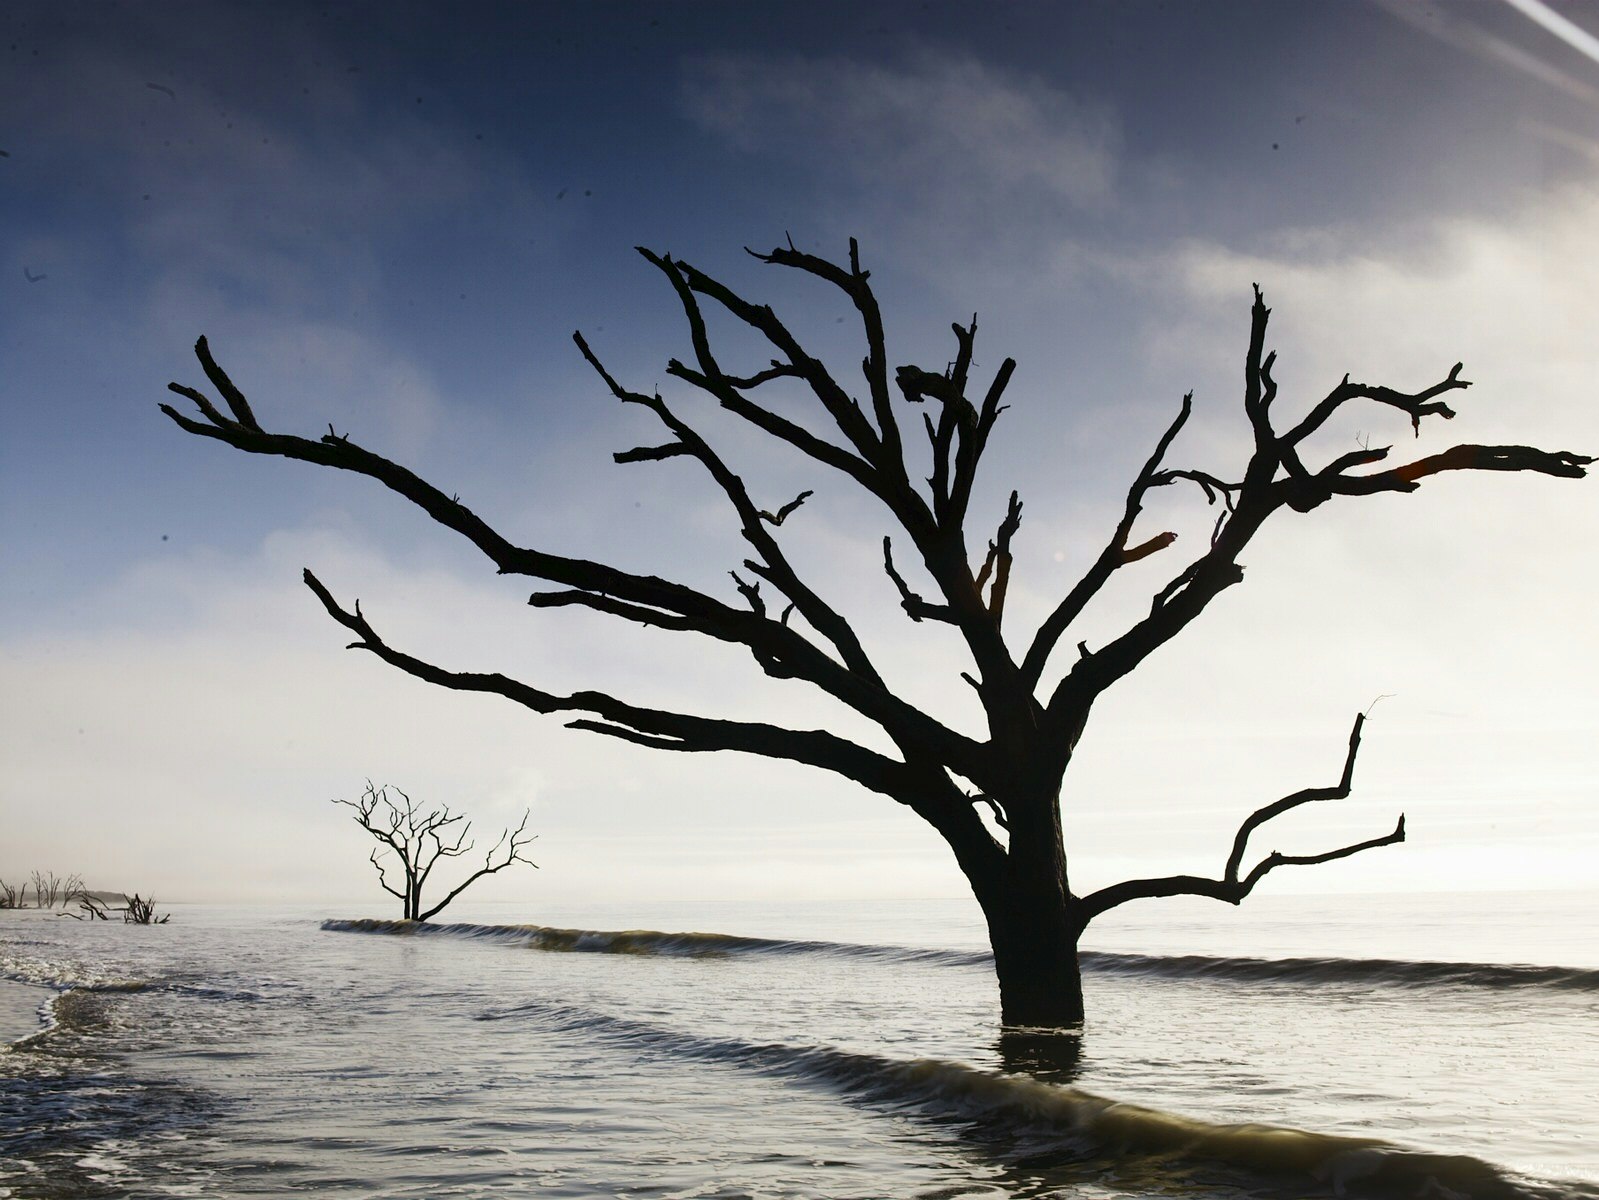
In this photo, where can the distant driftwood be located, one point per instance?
(134, 909)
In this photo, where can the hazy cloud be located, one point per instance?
(932, 145)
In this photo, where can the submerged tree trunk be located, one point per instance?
(1034, 921)
(1035, 957)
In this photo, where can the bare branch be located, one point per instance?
(1258, 818)
(822, 617)
(779, 649)
(239, 406)
(687, 732)
(1114, 555)
(383, 876)
(782, 514)
(637, 613)
(1560, 463)
(650, 453)
(1154, 545)
(1001, 557)
(918, 608)
(751, 593)
(1257, 376)
(846, 414)
(345, 455)
(853, 282)
(513, 842)
(994, 807)
(1262, 492)
(1230, 887)
(1416, 405)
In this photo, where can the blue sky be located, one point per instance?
(391, 217)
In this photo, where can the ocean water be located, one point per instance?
(1427, 1046)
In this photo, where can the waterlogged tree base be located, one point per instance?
(995, 799)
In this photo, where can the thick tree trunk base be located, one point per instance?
(1035, 960)
(1043, 993)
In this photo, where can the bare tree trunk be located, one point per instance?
(1031, 918)
(1034, 921)
(1035, 957)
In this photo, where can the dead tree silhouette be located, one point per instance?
(1016, 862)
(419, 839)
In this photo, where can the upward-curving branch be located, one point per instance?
(853, 429)
(1231, 887)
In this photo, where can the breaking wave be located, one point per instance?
(68, 1002)
(648, 941)
(1289, 971)
(1395, 972)
(1060, 1125)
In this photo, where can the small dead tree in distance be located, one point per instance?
(48, 888)
(1017, 869)
(420, 839)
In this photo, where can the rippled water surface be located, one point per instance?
(807, 1051)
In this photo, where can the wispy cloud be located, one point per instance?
(918, 154)
(935, 123)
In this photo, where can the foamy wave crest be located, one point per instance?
(1394, 972)
(649, 941)
(70, 984)
(62, 977)
(1064, 1125)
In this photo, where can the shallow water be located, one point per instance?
(822, 1050)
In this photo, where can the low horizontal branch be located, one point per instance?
(1416, 405)
(1230, 887)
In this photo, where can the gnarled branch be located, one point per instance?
(511, 847)
(1275, 478)
(646, 599)
(678, 731)
(782, 514)
(1231, 887)
(914, 605)
(1111, 557)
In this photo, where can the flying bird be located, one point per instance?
(161, 87)
(31, 277)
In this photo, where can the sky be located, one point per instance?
(391, 217)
